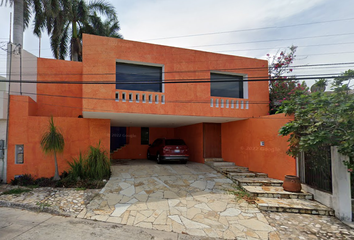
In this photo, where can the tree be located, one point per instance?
(71, 18)
(65, 21)
(280, 88)
(322, 118)
(53, 142)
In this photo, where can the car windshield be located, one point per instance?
(174, 142)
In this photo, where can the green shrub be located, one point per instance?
(97, 164)
(23, 180)
(77, 168)
(94, 166)
(16, 191)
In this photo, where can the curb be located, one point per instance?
(33, 208)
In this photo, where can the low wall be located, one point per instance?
(241, 144)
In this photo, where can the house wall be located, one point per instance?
(133, 149)
(191, 99)
(193, 136)
(241, 144)
(25, 129)
(49, 102)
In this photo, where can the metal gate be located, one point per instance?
(315, 169)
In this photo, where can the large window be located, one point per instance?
(224, 85)
(130, 77)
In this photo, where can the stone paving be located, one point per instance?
(304, 226)
(63, 201)
(189, 199)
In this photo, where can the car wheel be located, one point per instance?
(158, 158)
(148, 156)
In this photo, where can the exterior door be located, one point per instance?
(212, 140)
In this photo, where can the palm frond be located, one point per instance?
(104, 8)
(52, 140)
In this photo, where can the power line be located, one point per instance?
(184, 81)
(276, 40)
(250, 29)
(202, 70)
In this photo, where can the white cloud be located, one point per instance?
(142, 20)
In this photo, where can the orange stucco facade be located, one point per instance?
(241, 143)
(84, 112)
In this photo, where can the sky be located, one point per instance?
(322, 29)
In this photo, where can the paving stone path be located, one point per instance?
(63, 201)
(190, 199)
(304, 226)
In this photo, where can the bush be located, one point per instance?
(23, 180)
(94, 166)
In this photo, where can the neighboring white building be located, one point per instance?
(25, 70)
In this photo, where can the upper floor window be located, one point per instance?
(138, 77)
(226, 85)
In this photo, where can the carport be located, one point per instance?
(131, 133)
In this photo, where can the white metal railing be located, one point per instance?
(126, 96)
(229, 103)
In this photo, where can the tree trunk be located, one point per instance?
(56, 175)
(18, 22)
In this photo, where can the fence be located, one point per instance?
(315, 169)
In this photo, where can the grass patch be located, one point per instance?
(16, 191)
(240, 193)
(80, 188)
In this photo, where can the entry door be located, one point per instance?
(212, 140)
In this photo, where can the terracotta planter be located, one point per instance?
(292, 183)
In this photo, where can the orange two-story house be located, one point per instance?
(125, 94)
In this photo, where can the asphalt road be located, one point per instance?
(21, 224)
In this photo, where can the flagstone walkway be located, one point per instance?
(189, 198)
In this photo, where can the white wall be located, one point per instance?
(26, 72)
(2, 137)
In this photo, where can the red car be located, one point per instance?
(168, 150)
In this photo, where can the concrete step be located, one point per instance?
(222, 164)
(275, 192)
(258, 182)
(293, 206)
(233, 169)
(234, 175)
(213, 160)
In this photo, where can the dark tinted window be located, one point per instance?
(223, 85)
(174, 142)
(135, 74)
(144, 136)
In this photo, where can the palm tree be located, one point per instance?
(22, 15)
(71, 20)
(53, 142)
(65, 21)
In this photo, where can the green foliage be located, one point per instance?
(94, 166)
(52, 142)
(98, 164)
(16, 191)
(280, 87)
(77, 168)
(240, 193)
(23, 180)
(322, 118)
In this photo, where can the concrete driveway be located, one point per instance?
(189, 198)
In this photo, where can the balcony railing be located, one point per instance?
(130, 97)
(229, 103)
